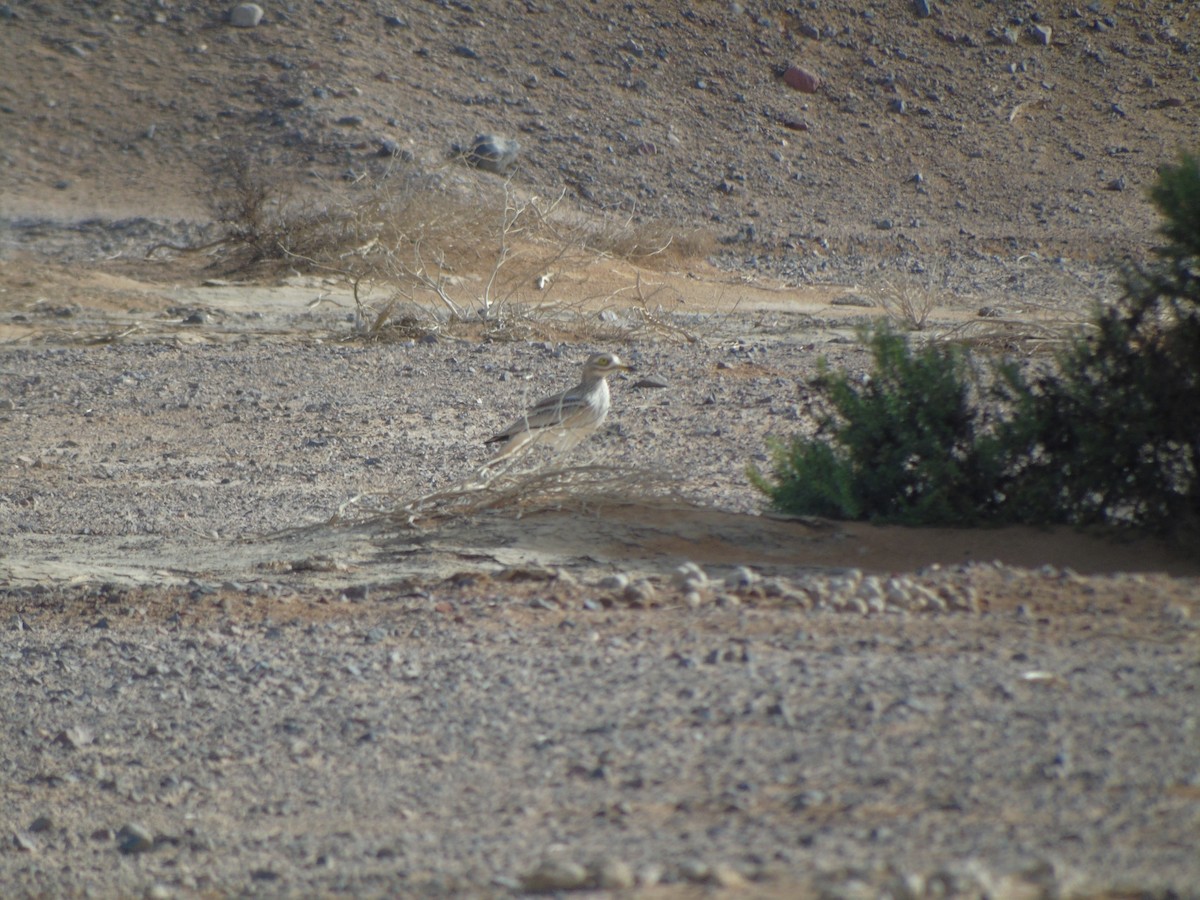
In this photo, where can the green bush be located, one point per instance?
(1111, 435)
(907, 445)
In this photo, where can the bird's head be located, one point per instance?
(600, 364)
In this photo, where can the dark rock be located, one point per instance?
(492, 153)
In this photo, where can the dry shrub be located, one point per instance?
(653, 245)
(907, 305)
(430, 250)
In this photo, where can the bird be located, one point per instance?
(562, 421)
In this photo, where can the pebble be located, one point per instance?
(40, 824)
(689, 577)
(1041, 34)
(612, 875)
(726, 876)
(615, 582)
(1176, 613)
(741, 578)
(650, 875)
(75, 737)
(556, 875)
(695, 870)
(640, 592)
(245, 15)
(802, 80)
(23, 842)
(134, 838)
(492, 153)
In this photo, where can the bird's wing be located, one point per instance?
(548, 413)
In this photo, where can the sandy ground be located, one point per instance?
(266, 630)
(266, 633)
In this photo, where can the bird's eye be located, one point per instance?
(603, 361)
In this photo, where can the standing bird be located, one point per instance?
(562, 421)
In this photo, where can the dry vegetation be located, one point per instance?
(448, 249)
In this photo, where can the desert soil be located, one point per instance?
(266, 627)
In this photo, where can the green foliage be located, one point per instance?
(1111, 435)
(1114, 434)
(907, 445)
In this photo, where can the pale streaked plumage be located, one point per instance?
(562, 421)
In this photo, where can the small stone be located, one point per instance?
(555, 875)
(689, 577)
(650, 875)
(650, 383)
(493, 153)
(612, 875)
(640, 592)
(40, 824)
(695, 871)
(133, 838)
(616, 582)
(158, 891)
(245, 15)
(802, 80)
(922, 7)
(24, 842)
(1177, 614)
(1041, 34)
(741, 578)
(726, 876)
(76, 737)
(389, 148)
(871, 592)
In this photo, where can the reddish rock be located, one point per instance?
(801, 79)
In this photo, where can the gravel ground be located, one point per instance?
(186, 745)
(235, 668)
(494, 703)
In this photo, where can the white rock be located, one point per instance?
(245, 15)
(689, 577)
(741, 578)
(612, 875)
(555, 875)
